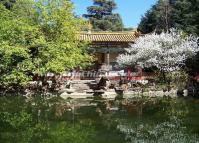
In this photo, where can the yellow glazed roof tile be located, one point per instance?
(108, 36)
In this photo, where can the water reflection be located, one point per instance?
(82, 121)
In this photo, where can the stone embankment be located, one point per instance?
(82, 90)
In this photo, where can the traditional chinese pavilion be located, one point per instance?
(106, 46)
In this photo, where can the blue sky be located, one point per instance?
(130, 10)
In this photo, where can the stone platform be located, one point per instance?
(82, 89)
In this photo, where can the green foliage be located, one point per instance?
(61, 50)
(185, 16)
(102, 18)
(153, 19)
(180, 14)
(16, 35)
(15, 61)
(8, 3)
(39, 37)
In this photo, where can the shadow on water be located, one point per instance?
(51, 120)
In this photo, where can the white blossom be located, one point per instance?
(166, 51)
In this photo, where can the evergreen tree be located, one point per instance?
(185, 16)
(158, 18)
(102, 18)
(150, 21)
(180, 14)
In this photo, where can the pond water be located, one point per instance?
(141, 120)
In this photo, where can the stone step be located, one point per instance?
(82, 81)
(80, 85)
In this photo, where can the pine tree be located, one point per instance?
(180, 14)
(158, 18)
(185, 16)
(101, 16)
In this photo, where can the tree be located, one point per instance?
(166, 51)
(165, 14)
(181, 14)
(149, 22)
(38, 37)
(16, 35)
(185, 15)
(102, 18)
(61, 49)
(158, 18)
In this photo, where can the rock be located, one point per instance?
(185, 93)
(109, 95)
(69, 90)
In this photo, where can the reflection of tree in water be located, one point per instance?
(169, 131)
(36, 120)
(151, 120)
(166, 123)
(139, 120)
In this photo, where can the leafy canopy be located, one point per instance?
(180, 14)
(39, 37)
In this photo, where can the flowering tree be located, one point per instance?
(166, 51)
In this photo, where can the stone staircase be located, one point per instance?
(81, 86)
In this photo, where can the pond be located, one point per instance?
(54, 120)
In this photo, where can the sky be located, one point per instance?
(131, 11)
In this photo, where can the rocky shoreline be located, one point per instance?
(126, 94)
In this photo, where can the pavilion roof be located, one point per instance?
(109, 36)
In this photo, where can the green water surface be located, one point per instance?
(138, 120)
